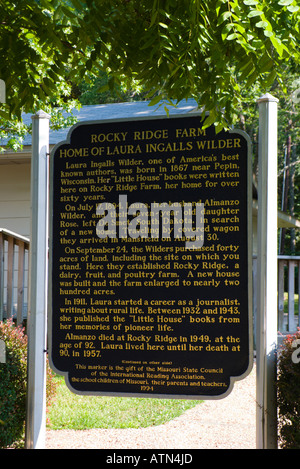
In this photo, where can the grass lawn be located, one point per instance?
(72, 411)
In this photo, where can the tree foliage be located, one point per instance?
(96, 90)
(222, 53)
(34, 53)
(34, 60)
(211, 50)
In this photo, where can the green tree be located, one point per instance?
(36, 51)
(211, 50)
(288, 147)
(96, 90)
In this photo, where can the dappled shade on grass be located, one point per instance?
(77, 412)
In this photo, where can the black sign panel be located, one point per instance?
(150, 258)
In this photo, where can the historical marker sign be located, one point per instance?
(150, 258)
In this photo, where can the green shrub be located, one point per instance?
(13, 385)
(13, 375)
(288, 386)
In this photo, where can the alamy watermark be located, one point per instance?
(2, 92)
(296, 353)
(141, 220)
(296, 95)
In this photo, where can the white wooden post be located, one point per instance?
(38, 267)
(267, 328)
